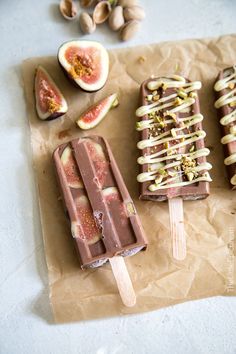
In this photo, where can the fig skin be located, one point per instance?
(106, 65)
(54, 116)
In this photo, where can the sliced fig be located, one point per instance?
(99, 160)
(87, 228)
(86, 63)
(72, 174)
(92, 116)
(50, 103)
(115, 205)
(110, 194)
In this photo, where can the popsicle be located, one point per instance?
(173, 161)
(225, 88)
(104, 222)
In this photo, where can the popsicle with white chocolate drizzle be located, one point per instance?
(225, 88)
(173, 161)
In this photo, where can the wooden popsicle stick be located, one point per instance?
(123, 281)
(177, 228)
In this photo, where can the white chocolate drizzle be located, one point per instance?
(164, 166)
(229, 98)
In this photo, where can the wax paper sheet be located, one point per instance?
(210, 225)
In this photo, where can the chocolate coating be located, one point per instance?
(119, 226)
(229, 148)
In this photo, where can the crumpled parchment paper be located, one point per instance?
(210, 225)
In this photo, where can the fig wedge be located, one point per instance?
(86, 63)
(93, 116)
(50, 103)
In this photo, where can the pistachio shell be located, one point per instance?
(68, 9)
(116, 18)
(87, 23)
(113, 3)
(101, 12)
(129, 30)
(87, 3)
(134, 13)
(127, 3)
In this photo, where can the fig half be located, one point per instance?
(86, 63)
(92, 116)
(50, 103)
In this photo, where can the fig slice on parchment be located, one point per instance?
(86, 63)
(92, 116)
(50, 103)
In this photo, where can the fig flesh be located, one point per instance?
(91, 117)
(99, 160)
(86, 63)
(50, 103)
(87, 228)
(73, 177)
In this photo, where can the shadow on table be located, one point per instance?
(27, 196)
(41, 307)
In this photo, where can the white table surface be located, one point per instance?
(34, 28)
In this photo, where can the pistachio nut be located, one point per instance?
(86, 23)
(134, 13)
(116, 18)
(127, 3)
(129, 30)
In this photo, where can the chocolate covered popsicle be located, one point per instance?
(225, 88)
(173, 160)
(103, 218)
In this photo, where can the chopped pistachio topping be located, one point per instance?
(156, 98)
(178, 101)
(157, 119)
(162, 172)
(162, 124)
(192, 148)
(166, 145)
(193, 95)
(233, 104)
(231, 85)
(173, 132)
(182, 94)
(164, 86)
(159, 179)
(141, 59)
(190, 176)
(170, 114)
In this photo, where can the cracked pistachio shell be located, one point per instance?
(87, 3)
(68, 9)
(101, 12)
